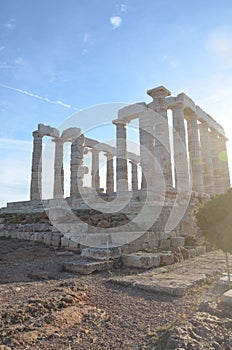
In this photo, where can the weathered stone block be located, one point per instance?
(64, 242)
(86, 267)
(101, 253)
(165, 244)
(177, 241)
(166, 258)
(227, 298)
(48, 238)
(141, 260)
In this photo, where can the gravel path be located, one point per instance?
(43, 307)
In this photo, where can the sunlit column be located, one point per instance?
(207, 163)
(58, 190)
(36, 169)
(194, 153)
(95, 168)
(121, 161)
(180, 151)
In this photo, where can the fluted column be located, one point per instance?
(95, 168)
(180, 151)
(58, 189)
(36, 169)
(207, 163)
(162, 142)
(134, 176)
(76, 173)
(109, 172)
(224, 161)
(215, 151)
(147, 156)
(121, 161)
(194, 153)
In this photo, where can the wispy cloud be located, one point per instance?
(219, 45)
(10, 24)
(12, 144)
(86, 37)
(123, 8)
(84, 52)
(46, 99)
(116, 21)
(18, 60)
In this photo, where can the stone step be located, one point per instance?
(147, 260)
(86, 267)
(178, 279)
(101, 253)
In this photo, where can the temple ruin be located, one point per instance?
(178, 167)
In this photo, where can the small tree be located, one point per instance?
(214, 218)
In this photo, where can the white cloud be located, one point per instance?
(123, 8)
(116, 21)
(84, 52)
(46, 99)
(10, 24)
(219, 43)
(18, 60)
(86, 38)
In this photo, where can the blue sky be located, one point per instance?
(57, 57)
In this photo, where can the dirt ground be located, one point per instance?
(44, 307)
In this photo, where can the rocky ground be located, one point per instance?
(44, 307)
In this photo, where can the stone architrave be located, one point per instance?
(58, 190)
(224, 161)
(77, 150)
(207, 163)
(36, 169)
(180, 151)
(121, 161)
(147, 159)
(162, 142)
(109, 172)
(217, 170)
(194, 153)
(134, 176)
(95, 168)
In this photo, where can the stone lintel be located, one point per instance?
(71, 134)
(47, 130)
(131, 112)
(159, 91)
(191, 106)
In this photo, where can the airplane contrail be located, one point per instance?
(46, 99)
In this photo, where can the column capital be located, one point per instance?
(37, 134)
(119, 122)
(159, 92)
(190, 116)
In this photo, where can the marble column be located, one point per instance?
(207, 163)
(194, 153)
(77, 149)
(134, 176)
(95, 168)
(180, 150)
(224, 161)
(162, 142)
(121, 161)
(215, 151)
(147, 151)
(36, 169)
(58, 190)
(109, 172)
